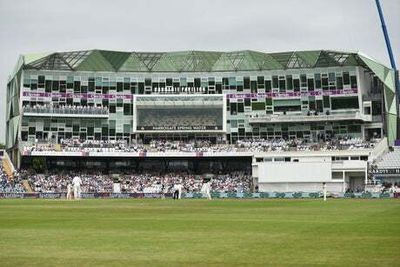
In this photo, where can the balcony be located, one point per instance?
(277, 118)
(66, 111)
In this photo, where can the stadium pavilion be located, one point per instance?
(222, 97)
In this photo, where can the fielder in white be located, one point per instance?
(206, 188)
(324, 190)
(77, 187)
(69, 191)
(177, 191)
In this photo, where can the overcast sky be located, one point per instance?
(149, 25)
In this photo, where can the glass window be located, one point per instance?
(344, 102)
(303, 80)
(91, 86)
(240, 107)
(310, 84)
(258, 106)
(197, 82)
(120, 86)
(326, 102)
(296, 85)
(246, 83)
(319, 105)
(354, 128)
(289, 82)
(317, 78)
(346, 78)
(339, 83)
(325, 85)
(233, 108)
(268, 86)
(253, 86)
(141, 88)
(353, 81)
(275, 82)
(48, 86)
(127, 109)
(282, 86)
(331, 77)
(77, 86)
(41, 79)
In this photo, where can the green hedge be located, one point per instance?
(349, 195)
(366, 195)
(384, 195)
(279, 195)
(297, 195)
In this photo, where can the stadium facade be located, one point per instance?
(219, 96)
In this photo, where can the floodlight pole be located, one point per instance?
(392, 62)
(386, 35)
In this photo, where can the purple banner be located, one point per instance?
(79, 95)
(293, 94)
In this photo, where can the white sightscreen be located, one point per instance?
(276, 172)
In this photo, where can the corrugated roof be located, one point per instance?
(191, 61)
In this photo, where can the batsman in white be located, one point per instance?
(77, 187)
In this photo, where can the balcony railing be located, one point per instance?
(308, 118)
(66, 111)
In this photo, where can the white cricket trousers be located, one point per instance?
(77, 192)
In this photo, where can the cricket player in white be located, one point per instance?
(69, 191)
(179, 187)
(77, 187)
(324, 190)
(206, 188)
(177, 191)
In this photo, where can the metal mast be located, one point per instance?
(392, 62)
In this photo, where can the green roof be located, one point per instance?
(190, 61)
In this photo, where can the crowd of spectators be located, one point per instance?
(140, 183)
(199, 145)
(242, 145)
(10, 185)
(56, 183)
(326, 144)
(179, 117)
(77, 145)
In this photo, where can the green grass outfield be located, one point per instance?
(150, 232)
